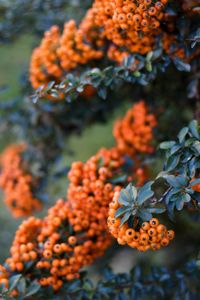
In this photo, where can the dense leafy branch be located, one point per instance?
(176, 187)
(143, 72)
(159, 282)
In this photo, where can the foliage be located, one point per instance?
(138, 284)
(80, 73)
(179, 181)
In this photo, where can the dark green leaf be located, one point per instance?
(14, 280)
(172, 162)
(196, 147)
(144, 215)
(119, 179)
(181, 65)
(182, 134)
(167, 145)
(121, 211)
(186, 198)
(33, 289)
(179, 204)
(171, 179)
(175, 149)
(125, 218)
(21, 286)
(193, 127)
(145, 193)
(156, 210)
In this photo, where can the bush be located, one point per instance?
(141, 194)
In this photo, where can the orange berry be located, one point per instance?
(72, 240)
(170, 234)
(154, 222)
(145, 226)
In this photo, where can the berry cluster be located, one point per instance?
(65, 248)
(59, 53)
(17, 183)
(115, 29)
(150, 235)
(118, 21)
(44, 65)
(55, 250)
(73, 50)
(75, 232)
(134, 133)
(24, 247)
(140, 15)
(91, 190)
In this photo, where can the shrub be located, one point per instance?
(141, 193)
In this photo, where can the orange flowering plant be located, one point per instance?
(120, 200)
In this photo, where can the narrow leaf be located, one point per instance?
(167, 145)
(193, 126)
(182, 134)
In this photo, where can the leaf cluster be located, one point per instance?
(159, 283)
(179, 178)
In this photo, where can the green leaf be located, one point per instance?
(14, 280)
(171, 179)
(137, 74)
(21, 286)
(186, 198)
(124, 198)
(156, 210)
(149, 66)
(193, 126)
(182, 134)
(145, 193)
(176, 181)
(172, 162)
(125, 218)
(175, 149)
(196, 147)
(144, 215)
(170, 209)
(181, 65)
(182, 180)
(179, 204)
(33, 289)
(119, 179)
(149, 56)
(121, 211)
(167, 145)
(132, 191)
